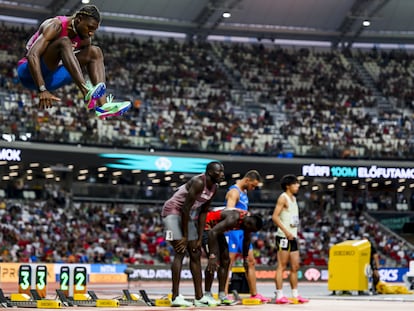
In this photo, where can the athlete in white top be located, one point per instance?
(286, 218)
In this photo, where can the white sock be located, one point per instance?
(279, 293)
(295, 293)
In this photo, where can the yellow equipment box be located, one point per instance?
(348, 265)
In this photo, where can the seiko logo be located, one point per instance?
(344, 253)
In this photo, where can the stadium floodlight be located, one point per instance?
(366, 23)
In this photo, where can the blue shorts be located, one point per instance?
(53, 79)
(235, 241)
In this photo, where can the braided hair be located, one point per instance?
(91, 11)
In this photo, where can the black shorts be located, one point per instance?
(283, 244)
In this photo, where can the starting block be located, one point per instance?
(145, 297)
(129, 298)
(102, 303)
(21, 300)
(62, 297)
(82, 300)
(251, 301)
(4, 301)
(82, 297)
(20, 297)
(163, 302)
(48, 304)
(43, 303)
(107, 303)
(25, 301)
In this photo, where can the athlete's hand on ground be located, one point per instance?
(182, 245)
(46, 100)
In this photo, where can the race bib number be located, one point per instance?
(169, 235)
(284, 243)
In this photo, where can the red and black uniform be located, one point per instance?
(214, 217)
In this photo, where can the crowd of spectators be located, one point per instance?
(392, 72)
(307, 101)
(47, 231)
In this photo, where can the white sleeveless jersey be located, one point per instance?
(289, 217)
